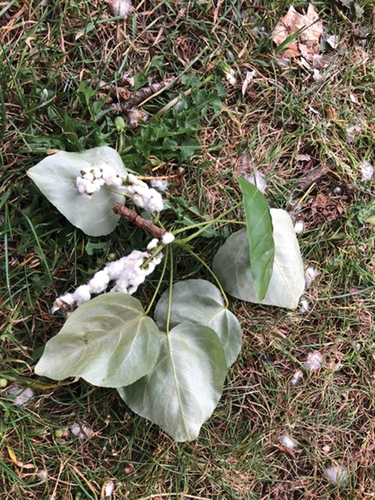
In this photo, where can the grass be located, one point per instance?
(50, 57)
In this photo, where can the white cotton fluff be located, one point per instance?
(97, 173)
(82, 432)
(87, 175)
(92, 179)
(297, 377)
(133, 274)
(337, 474)
(89, 181)
(67, 298)
(167, 238)
(127, 274)
(160, 184)
(314, 361)
(81, 295)
(121, 8)
(310, 274)
(248, 78)
(133, 179)
(42, 476)
(142, 195)
(258, 179)
(99, 282)
(230, 76)
(352, 133)
(155, 202)
(109, 489)
(367, 171)
(110, 176)
(299, 226)
(153, 244)
(286, 441)
(304, 305)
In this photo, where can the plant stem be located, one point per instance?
(208, 224)
(159, 283)
(200, 224)
(212, 274)
(169, 293)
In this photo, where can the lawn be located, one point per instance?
(68, 70)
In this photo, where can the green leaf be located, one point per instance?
(260, 234)
(56, 178)
(108, 341)
(186, 383)
(231, 266)
(188, 148)
(199, 301)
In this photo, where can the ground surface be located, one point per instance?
(291, 124)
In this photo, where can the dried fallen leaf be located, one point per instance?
(286, 450)
(307, 42)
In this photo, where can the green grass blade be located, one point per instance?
(260, 233)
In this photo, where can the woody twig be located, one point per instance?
(128, 99)
(132, 216)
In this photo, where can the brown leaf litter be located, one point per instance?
(306, 44)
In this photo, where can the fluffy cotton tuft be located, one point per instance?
(81, 295)
(142, 195)
(314, 361)
(337, 474)
(297, 377)
(153, 244)
(299, 226)
(248, 79)
(258, 179)
(286, 441)
(230, 76)
(92, 179)
(109, 489)
(99, 282)
(367, 171)
(121, 8)
(167, 238)
(126, 273)
(310, 274)
(160, 184)
(304, 305)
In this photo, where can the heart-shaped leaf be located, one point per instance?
(231, 266)
(186, 383)
(199, 301)
(56, 177)
(260, 234)
(108, 341)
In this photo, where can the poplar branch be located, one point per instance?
(132, 99)
(132, 216)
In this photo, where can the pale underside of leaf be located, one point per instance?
(108, 341)
(56, 178)
(260, 235)
(199, 301)
(185, 385)
(231, 266)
